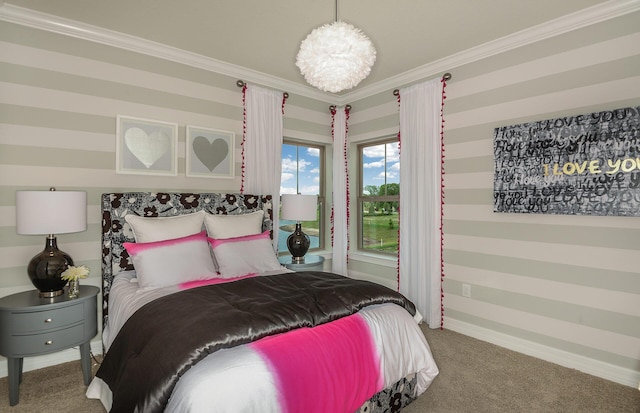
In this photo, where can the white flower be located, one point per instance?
(73, 273)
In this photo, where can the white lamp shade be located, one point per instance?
(299, 207)
(50, 212)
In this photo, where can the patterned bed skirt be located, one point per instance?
(392, 399)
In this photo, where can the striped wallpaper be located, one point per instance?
(563, 288)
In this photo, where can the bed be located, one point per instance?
(199, 316)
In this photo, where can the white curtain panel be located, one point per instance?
(340, 201)
(420, 201)
(262, 149)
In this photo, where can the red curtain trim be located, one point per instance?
(399, 208)
(244, 134)
(346, 173)
(333, 123)
(444, 85)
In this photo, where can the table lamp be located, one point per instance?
(49, 213)
(299, 208)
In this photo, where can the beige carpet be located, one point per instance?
(474, 377)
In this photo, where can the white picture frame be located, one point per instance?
(209, 152)
(146, 146)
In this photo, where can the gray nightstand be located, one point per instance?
(311, 263)
(32, 326)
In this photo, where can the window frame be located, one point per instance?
(321, 187)
(361, 198)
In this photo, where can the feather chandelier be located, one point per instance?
(335, 57)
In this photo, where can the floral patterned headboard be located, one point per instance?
(115, 231)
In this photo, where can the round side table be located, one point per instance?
(311, 263)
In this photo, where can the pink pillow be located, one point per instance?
(244, 255)
(172, 262)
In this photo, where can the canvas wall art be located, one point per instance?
(579, 165)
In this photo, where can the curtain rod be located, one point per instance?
(240, 83)
(333, 107)
(446, 77)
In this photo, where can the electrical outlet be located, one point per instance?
(466, 290)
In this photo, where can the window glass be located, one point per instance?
(379, 196)
(302, 172)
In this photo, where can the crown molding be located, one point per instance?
(73, 28)
(574, 21)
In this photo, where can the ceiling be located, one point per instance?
(264, 35)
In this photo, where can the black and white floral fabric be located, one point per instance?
(392, 399)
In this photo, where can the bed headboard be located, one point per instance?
(115, 231)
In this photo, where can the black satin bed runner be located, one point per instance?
(166, 337)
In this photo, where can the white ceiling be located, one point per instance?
(264, 35)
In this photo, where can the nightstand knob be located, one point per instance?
(48, 342)
(48, 320)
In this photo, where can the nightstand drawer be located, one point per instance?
(37, 321)
(47, 342)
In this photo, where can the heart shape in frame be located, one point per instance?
(211, 154)
(147, 148)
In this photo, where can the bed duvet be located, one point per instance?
(297, 342)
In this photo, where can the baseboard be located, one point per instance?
(38, 362)
(597, 368)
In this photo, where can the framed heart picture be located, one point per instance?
(209, 153)
(146, 147)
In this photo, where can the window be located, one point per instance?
(302, 173)
(379, 196)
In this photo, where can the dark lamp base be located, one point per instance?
(46, 268)
(298, 243)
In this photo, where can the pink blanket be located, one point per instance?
(335, 356)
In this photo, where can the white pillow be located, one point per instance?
(244, 255)
(233, 226)
(173, 261)
(146, 229)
